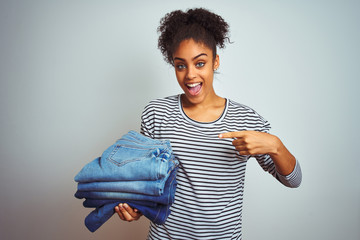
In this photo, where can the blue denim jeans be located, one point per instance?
(100, 215)
(166, 198)
(157, 213)
(94, 203)
(136, 170)
(134, 157)
(154, 188)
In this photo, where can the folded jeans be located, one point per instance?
(157, 214)
(136, 170)
(134, 157)
(166, 198)
(100, 215)
(154, 188)
(95, 203)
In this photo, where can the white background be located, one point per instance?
(76, 75)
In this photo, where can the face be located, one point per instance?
(194, 67)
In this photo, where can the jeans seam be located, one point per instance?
(119, 164)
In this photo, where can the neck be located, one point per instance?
(206, 111)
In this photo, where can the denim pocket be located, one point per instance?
(122, 154)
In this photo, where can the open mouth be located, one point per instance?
(194, 88)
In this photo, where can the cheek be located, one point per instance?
(208, 76)
(179, 77)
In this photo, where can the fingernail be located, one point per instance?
(220, 135)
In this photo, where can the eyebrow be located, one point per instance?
(181, 59)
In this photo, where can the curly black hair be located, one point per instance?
(198, 24)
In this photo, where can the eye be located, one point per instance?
(180, 66)
(200, 64)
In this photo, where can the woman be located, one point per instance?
(213, 137)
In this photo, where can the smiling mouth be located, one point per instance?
(194, 88)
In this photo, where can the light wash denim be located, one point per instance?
(105, 208)
(155, 188)
(166, 198)
(136, 170)
(134, 157)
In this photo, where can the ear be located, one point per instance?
(216, 62)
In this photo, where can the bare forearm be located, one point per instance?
(284, 161)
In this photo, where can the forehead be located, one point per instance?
(189, 48)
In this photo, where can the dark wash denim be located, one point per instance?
(134, 163)
(93, 203)
(157, 213)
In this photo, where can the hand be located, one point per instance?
(253, 142)
(126, 213)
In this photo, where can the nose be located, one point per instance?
(191, 73)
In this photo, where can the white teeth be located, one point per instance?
(192, 84)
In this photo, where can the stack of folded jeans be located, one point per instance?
(136, 170)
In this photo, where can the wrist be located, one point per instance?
(276, 145)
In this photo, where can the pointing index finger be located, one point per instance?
(231, 134)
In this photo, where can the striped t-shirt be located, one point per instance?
(209, 195)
